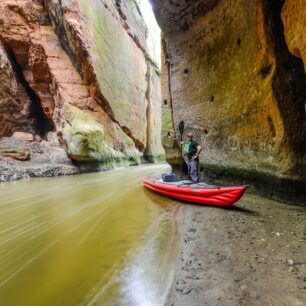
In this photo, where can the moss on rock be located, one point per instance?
(119, 65)
(85, 138)
(86, 142)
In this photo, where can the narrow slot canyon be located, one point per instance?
(153, 152)
(131, 121)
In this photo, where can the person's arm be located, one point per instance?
(199, 149)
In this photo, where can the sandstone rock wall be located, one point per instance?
(294, 19)
(169, 137)
(154, 150)
(234, 82)
(15, 105)
(84, 67)
(120, 67)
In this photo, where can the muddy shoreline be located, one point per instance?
(252, 254)
(20, 159)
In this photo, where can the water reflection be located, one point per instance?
(147, 275)
(94, 239)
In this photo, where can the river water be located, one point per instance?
(92, 239)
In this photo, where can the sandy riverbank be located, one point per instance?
(253, 254)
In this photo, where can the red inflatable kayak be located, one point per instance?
(200, 193)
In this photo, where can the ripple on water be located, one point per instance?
(87, 239)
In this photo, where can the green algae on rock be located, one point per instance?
(86, 142)
(85, 138)
(120, 67)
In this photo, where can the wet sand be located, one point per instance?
(252, 254)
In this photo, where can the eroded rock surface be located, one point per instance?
(84, 72)
(294, 19)
(15, 111)
(20, 159)
(169, 137)
(237, 86)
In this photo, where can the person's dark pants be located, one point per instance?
(193, 165)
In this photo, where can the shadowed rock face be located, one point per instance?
(228, 73)
(177, 16)
(85, 73)
(294, 19)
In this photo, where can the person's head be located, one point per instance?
(189, 136)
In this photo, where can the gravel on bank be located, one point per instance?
(45, 160)
(251, 254)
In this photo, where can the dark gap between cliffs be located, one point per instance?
(42, 124)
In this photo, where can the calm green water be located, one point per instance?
(94, 239)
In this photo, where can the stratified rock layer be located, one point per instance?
(85, 74)
(238, 88)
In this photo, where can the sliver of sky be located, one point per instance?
(153, 39)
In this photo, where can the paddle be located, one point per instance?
(181, 129)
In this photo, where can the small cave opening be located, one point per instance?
(186, 71)
(212, 98)
(42, 125)
(165, 102)
(264, 72)
(238, 41)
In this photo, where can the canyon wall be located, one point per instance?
(234, 72)
(80, 71)
(15, 104)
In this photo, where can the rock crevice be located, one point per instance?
(41, 123)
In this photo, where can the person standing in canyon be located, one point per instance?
(192, 150)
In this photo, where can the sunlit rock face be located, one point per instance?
(233, 80)
(85, 67)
